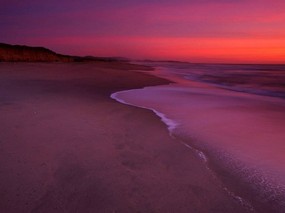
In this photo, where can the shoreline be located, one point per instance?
(172, 125)
(223, 171)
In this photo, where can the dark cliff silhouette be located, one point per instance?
(19, 53)
(22, 53)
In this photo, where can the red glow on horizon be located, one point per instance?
(217, 50)
(198, 31)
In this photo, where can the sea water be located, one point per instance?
(232, 114)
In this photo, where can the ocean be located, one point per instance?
(262, 79)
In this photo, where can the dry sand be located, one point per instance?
(65, 146)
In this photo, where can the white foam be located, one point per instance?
(171, 124)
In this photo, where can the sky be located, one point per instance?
(220, 31)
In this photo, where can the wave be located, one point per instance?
(173, 125)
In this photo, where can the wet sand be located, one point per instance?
(66, 146)
(242, 135)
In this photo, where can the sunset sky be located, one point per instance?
(234, 31)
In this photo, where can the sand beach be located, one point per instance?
(66, 146)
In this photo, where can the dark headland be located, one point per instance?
(23, 53)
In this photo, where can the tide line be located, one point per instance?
(171, 124)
